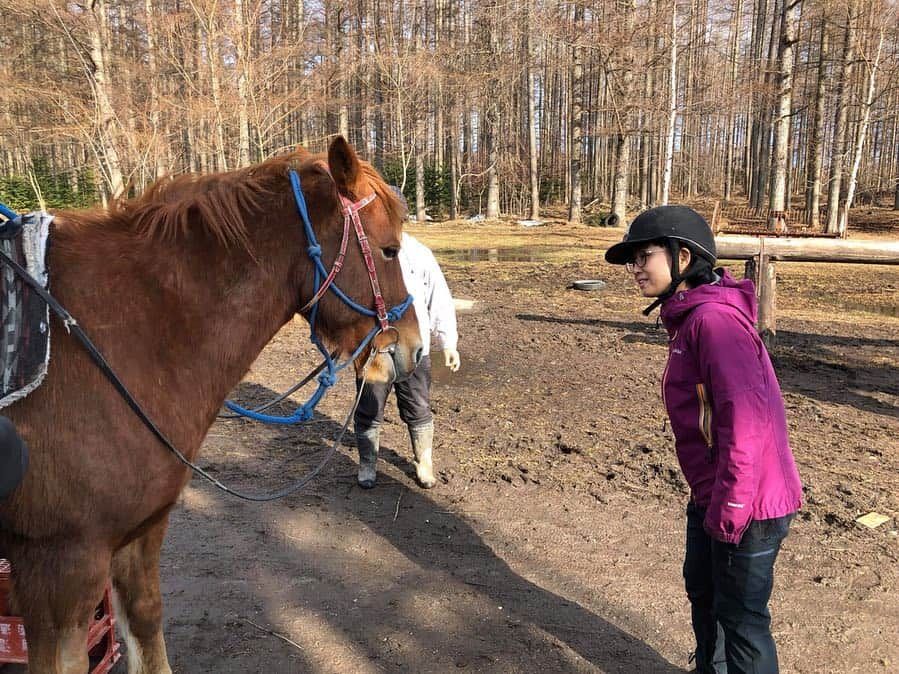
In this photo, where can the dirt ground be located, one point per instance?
(553, 541)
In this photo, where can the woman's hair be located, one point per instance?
(700, 270)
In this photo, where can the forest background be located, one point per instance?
(473, 107)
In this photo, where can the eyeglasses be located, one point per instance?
(640, 259)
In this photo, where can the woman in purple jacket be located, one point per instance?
(730, 431)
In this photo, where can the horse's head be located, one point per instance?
(332, 185)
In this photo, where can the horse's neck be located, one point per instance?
(196, 319)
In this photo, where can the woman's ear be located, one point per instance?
(685, 257)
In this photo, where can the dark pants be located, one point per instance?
(413, 398)
(729, 587)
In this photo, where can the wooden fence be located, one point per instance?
(792, 220)
(762, 252)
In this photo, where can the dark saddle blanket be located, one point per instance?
(24, 316)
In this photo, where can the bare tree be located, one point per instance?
(873, 66)
(840, 133)
(778, 197)
(577, 116)
(107, 122)
(672, 109)
(816, 142)
(534, 213)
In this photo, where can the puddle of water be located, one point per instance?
(495, 254)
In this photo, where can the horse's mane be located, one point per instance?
(218, 202)
(395, 208)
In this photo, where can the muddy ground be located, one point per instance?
(553, 540)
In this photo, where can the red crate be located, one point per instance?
(102, 647)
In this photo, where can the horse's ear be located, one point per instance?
(344, 165)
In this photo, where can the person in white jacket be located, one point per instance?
(436, 318)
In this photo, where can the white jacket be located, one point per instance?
(431, 296)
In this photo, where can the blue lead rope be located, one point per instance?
(328, 378)
(7, 212)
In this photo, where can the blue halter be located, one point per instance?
(328, 378)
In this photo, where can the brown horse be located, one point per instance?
(180, 289)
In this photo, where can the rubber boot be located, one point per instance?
(368, 442)
(422, 443)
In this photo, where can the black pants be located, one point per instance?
(413, 398)
(729, 587)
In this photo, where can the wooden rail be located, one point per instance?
(795, 220)
(762, 252)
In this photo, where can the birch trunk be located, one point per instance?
(242, 45)
(777, 198)
(840, 135)
(106, 121)
(492, 158)
(625, 115)
(816, 142)
(862, 133)
(533, 176)
(577, 118)
(159, 144)
(732, 93)
(672, 110)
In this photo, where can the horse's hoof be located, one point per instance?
(366, 484)
(427, 484)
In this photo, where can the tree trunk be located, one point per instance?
(159, 146)
(419, 150)
(777, 198)
(492, 157)
(624, 110)
(672, 110)
(896, 189)
(577, 118)
(862, 132)
(213, 58)
(732, 94)
(533, 176)
(107, 124)
(766, 112)
(242, 47)
(753, 149)
(622, 174)
(816, 143)
(840, 135)
(454, 168)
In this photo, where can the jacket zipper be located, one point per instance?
(705, 419)
(665, 373)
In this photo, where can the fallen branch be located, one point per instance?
(273, 633)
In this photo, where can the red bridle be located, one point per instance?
(351, 214)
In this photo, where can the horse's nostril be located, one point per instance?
(418, 355)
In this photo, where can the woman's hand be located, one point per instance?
(451, 358)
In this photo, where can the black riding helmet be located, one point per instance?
(672, 226)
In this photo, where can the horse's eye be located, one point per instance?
(390, 252)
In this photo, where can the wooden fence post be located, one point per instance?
(751, 271)
(767, 301)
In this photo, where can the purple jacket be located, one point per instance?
(726, 410)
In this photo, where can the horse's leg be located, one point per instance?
(57, 592)
(138, 601)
